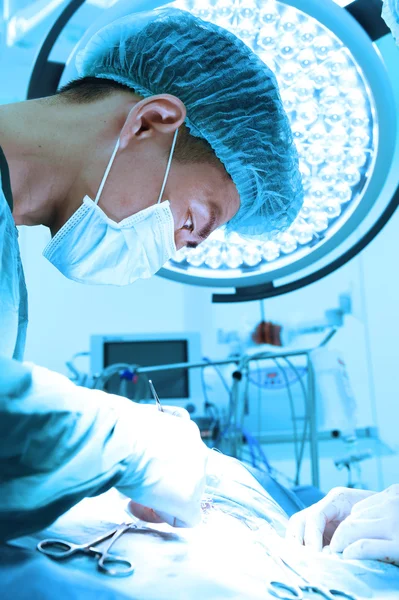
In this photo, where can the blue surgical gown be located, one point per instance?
(58, 442)
(13, 296)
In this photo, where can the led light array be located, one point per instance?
(330, 111)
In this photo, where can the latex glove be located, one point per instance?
(143, 512)
(371, 532)
(316, 525)
(168, 465)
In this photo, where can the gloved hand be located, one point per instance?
(316, 525)
(60, 443)
(167, 466)
(143, 512)
(371, 531)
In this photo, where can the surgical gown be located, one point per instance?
(58, 443)
(13, 296)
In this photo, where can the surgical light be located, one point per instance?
(339, 99)
(330, 108)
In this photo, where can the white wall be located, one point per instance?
(381, 291)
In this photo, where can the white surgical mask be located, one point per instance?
(91, 248)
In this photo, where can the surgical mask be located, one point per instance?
(91, 248)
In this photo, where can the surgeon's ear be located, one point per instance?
(161, 114)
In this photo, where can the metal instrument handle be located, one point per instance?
(155, 395)
(319, 590)
(342, 594)
(115, 566)
(57, 549)
(121, 566)
(284, 591)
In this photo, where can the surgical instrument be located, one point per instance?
(284, 591)
(288, 591)
(115, 566)
(156, 397)
(314, 588)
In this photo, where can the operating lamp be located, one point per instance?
(338, 97)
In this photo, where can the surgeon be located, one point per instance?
(173, 129)
(359, 523)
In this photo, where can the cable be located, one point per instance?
(253, 444)
(259, 399)
(209, 406)
(306, 419)
(298, 455)
(248, 380)
(292, 407)
(204, 390)
(77, 376)
(229, 391)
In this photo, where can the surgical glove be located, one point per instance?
(371, 532)
(167, 465)
(143, 512)
(316, 525)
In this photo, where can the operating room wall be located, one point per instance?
(381, 301)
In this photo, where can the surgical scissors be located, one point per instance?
(285, 591)
(110, 564)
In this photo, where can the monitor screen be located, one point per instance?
(147, 353)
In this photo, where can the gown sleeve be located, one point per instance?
(59, 443)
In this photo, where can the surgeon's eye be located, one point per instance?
(189, 225)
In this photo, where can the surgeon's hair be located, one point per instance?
(85, 90)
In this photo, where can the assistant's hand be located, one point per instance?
(167, 466)
(371, 532)
(316, 525)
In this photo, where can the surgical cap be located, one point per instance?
(232, 101)
(390, 14)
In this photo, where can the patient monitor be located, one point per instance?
(179, 387)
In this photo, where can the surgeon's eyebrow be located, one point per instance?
(214, 214)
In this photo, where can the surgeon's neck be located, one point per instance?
(57, 153)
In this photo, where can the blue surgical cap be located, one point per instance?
(390, 14)
(232, 101)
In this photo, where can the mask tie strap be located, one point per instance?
(168, 166)
(111, 160)
(107, 170)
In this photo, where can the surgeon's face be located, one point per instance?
(201, 196)
(202, 199)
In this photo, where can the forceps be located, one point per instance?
(285, 591)
(156, 397)
(110, 564)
